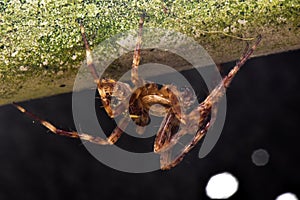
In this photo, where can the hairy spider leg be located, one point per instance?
(114, 136)
(205, 110)
(227, 80)
(89, 58)
(219, 91)
(246, 49)
(168, 127)
(104, 86)
(135, 79)
(167, 162)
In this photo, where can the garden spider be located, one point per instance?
(146, 94)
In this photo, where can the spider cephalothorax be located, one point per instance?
(144, 99)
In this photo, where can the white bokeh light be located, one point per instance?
(221, 186)
(287, 196)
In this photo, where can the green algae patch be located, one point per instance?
(41, 46)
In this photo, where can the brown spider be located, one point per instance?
(146, 94)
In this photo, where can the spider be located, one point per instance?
(148, 94)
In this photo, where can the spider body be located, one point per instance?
(149, 96)
(144, 99)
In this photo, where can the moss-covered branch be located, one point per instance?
(41, 47)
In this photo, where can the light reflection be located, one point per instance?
(221, 186)
(287, 196)
(260, 157)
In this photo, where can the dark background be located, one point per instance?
(262, 112)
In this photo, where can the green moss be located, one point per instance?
(41, 38)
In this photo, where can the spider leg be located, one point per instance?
(167, 129)
(136, 80)
(114, 136)
(166, 156)
(219, 90)
(205, 109)
(168, 136)
(227, 80)
(200, 127)
(246, 49)
(165, 159)
(89, 58)
(105, 86)
(192, 126)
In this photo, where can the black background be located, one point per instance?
(262, 112)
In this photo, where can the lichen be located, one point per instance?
(41, 37)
